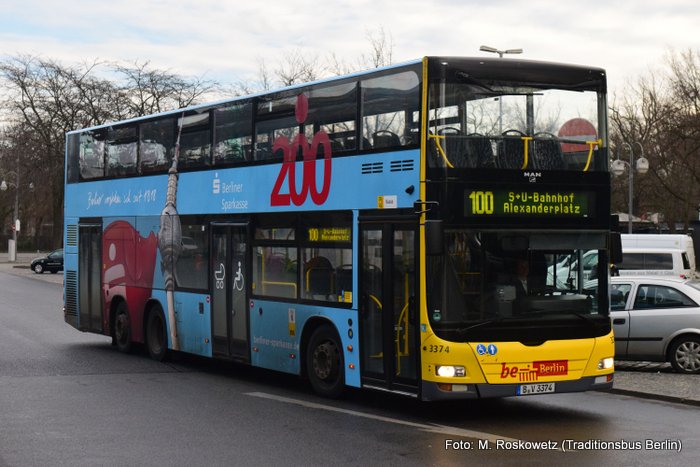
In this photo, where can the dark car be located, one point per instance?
(52, 262)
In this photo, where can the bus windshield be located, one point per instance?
(488, 120)
(489, 284)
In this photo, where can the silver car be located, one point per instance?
(657, 319)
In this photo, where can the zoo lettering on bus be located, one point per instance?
(287, 175)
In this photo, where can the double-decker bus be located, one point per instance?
(418, 229)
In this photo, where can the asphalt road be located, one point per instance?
(68, 398)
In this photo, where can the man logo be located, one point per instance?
(533, 176)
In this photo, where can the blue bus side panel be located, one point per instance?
(71, 303)
(193, 318)
(131, 208)
(357, 182)
(276, 335)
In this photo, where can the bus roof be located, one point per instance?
(530, 71)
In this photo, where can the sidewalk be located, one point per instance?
(656, 381)
(21, 268)
(23, 259)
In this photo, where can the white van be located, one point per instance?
(672, 241)
(656, 262)
(642, 255)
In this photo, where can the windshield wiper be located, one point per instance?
(478, 325)
(586, 318)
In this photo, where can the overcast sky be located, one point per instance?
(224, 39)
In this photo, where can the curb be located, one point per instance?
(652, 396)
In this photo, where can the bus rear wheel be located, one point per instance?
(122, 328)
(156, 335)
(324, 362)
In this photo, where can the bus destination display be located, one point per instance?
(528, 203)
(329, 234)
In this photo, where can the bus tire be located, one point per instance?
(122, 328)
(325, 363)
(157, 334)
(684, 354)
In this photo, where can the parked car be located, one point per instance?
(657, 319)
(52, 262)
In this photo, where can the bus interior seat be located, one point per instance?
(511, 150)
(479, 151)
(449, 130)
(547, 152)
(343, 279)
(263, 151)
(274, 266)
(350, 143)
(385, 139)
(336, 145)
(319, 277)
(453, 144)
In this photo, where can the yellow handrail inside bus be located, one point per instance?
(402, 323)
(376, 300)
(526, 144)
(265, 282)
(437, 139)
(598, 142)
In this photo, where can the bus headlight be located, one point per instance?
(606, 363)
(450, 371)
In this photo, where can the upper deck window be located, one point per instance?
(121, 151)
(91, 154)
(536, 119)
(195, 141)
(233, 133)
(157, 144)
(390, 110)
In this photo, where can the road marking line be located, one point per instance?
(440, 429)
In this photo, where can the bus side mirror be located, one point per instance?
(434, 239)
(615, 248)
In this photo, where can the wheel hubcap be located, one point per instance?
(325, 361)
(688, 356)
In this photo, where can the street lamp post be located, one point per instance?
(618, 168)
(487, 48)
(12, 246)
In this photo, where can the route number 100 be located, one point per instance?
(482, 202)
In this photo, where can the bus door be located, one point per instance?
(90, 277)
(388, 315)
(229, 307)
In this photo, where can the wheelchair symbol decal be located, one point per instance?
(238, 282)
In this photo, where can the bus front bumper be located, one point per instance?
(434, 391)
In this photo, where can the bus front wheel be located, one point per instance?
(122, 328)
(324, 362)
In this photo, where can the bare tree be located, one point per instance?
(295, 67)
(381, 53)
(44, 99)
(150, 91)
(381, 49)
(662, 114)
